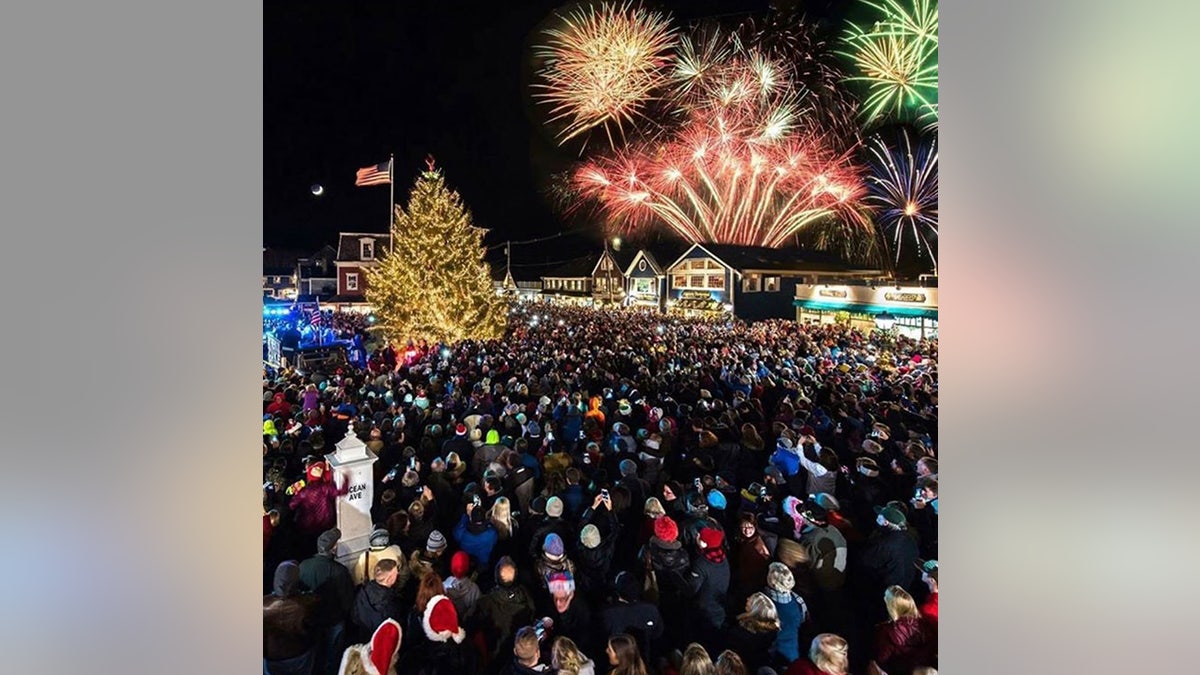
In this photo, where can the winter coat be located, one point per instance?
(708, 584)
(754, 648)
(888, 560)
(464, 593)
(826, 549)
(374, 604)
(632, 618)
(364, 567)
(314, 507)
(904, 644)
(670, 564)
(787, 461)
(477, 542)
(501, 612)
(575, 623)
(330, 581)
(546, 567)
(287, 626)
(792, 613)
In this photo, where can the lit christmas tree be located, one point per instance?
(434, 284)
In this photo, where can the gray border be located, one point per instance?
(132, 141)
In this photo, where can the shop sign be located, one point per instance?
(904, 297)
(831, 293)
(695, 295)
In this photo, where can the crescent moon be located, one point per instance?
(318, 190)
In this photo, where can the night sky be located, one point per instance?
(349, 83)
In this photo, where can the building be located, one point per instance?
(608, 277)
(317, 274)
(356, 253)
(570, 283)
(910, 307)
(518, 285)
(279, 273)
(750, 282)
(646, 278)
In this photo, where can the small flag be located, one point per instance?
(380, 174)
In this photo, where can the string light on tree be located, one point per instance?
(433, 284)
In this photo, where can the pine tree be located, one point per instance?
(433, 283)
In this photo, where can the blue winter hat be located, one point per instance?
(534, 430)
(716, 499)
(553, 546)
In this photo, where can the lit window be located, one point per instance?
(368, 249)
(716, 281)
(752, 283)
(772, 284)
(352, 281)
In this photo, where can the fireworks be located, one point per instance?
(897, 59)
(904, 187)
(602, 67)
(744, 167)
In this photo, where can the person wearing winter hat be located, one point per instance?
(430, 558)
(571, 614)
(790, 608)
(323, 575)
(377, 601)
(287, 638)
(440, 621)
(553, 559)
(476, 535)
(887, 560)
(628, 613)
(377, 656)
(460, 587)
(826, 547)
(552, 523)
(505, 608)
(314, 506)
(380, 547)
(929, 576)
(708, 581)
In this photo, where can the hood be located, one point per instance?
(594, 403)
(287, 579)
(279, 397)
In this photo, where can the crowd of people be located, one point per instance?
(612, 490)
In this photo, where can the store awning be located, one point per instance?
(858, 308)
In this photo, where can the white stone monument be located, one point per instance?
(352, 461)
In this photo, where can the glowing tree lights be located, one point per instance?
(602, 67)
(904, 188)
(897, 60)
(433, 284)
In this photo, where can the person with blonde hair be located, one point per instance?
(828, 654)
(904, 642)
(792, 611)
(755, 630)
(624, 658)
(566, 658)
(696, 661)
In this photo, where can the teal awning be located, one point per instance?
(865, 309)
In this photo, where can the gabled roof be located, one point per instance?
(741, 258)
(280, 261)
(348, 250)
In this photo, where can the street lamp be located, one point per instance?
(885, 321)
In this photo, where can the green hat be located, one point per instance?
(891, 514)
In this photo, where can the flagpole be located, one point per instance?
(391, 201)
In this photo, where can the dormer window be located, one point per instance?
(367, 249)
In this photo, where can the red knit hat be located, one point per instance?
(460, 564)
(384, 645)
(711, 538)
(441, 620)
(665, 528)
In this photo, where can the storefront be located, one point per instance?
(912, 311)
(697, 303)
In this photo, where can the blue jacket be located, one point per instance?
(787, 461)
(478, 546)
(792, 613)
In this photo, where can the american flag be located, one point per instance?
(315, 319)
(380, 174)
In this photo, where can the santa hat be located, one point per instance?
(441, 620)
(385, 644)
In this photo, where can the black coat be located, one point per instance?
(501, 613)
(888, 559)
(374, 604)
(708, 584)
(754, 648)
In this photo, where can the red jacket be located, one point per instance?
(904, 644)
(929, 609)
